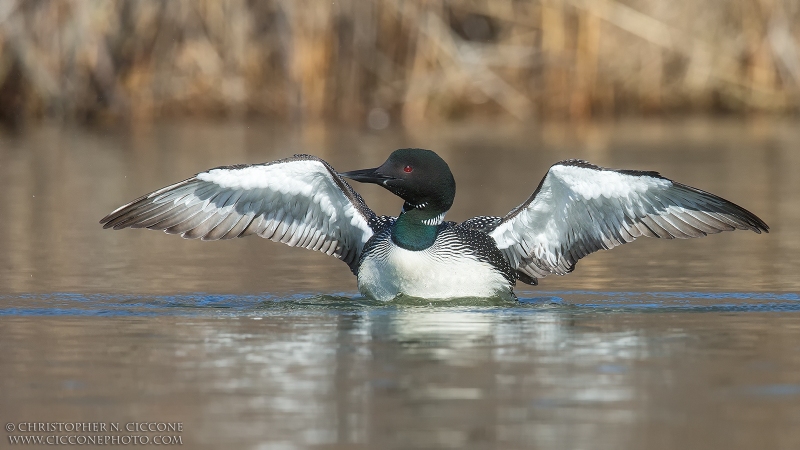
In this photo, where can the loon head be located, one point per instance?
(420, 177)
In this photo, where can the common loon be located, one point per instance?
(577, 209)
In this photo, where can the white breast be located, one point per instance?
(432, 273)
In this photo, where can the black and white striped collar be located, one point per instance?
(433, 221)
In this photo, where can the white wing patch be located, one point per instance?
(580, 208)
(607, 183)
(300, 201)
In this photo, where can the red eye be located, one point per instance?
(408, 169)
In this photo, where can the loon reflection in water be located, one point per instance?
(577, 209)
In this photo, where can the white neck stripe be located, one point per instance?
(435, 220)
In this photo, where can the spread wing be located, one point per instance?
(580, 208)
(300, 201)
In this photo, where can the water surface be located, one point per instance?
(251, 344)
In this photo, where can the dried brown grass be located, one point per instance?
(414, 60)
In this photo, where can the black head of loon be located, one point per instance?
(418, 176)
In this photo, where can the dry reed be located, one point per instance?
(369, 61)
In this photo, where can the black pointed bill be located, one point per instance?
(367, 176)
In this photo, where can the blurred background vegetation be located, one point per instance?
(380, 62)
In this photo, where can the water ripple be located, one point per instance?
(74, 304)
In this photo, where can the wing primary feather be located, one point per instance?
(274, 223)
(297, 234)
(288, 235)
(223, 227)
(154, 219)
(715, 225)
(187, 224)
(179, 215)
(253, 227)
(663, 222)
(132, 217)
(238, 227)
(676, 218)
(132, 212)
(202, 228)
(697, 224)
(315, 241)
(306, 236)
(651, 220)
(267, 227)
